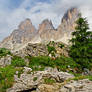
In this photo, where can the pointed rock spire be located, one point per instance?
(25, 24)
(45, 25)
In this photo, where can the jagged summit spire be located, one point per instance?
(48, 23)
(45, 25)
(24, 24)
(72, 12)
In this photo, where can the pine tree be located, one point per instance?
(81, 49)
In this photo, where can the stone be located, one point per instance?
(46, 88)
(6, 60)
(77, 86)
(27, 70)
(70, 88)
(45, 25)
(27, 82)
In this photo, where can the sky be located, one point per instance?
(12, 12)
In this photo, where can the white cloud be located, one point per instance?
(10, 19)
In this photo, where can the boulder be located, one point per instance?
(6, 60)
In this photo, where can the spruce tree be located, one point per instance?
(81, 48)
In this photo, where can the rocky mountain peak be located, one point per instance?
(68, 21)
(19, 36)
(71, 14)
(45, 25)
(26, 32)
(68, 24)
(25, 24)
(46, 21)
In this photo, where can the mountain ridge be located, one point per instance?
(27, 33)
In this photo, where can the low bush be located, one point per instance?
(51, 48)
(62, 63)
(18, 61)
(40, 62)
(6, 77)
(4, 52)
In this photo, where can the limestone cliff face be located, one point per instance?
(22, 35)
(26, 32)
(63, 32)
(67, 25)
(45, 25)
(46, 31)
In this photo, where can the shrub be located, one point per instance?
(4, 52)
(18, 61)
(62, 63)
(40, 62)
(51, 48)
(6, 77)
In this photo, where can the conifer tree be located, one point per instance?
(81, 49)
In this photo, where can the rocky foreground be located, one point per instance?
(49, 80)
(42, 68)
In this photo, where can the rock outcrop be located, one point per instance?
(5, 60)
(77, 86)
(45, 26)
(31, 81)
(39, 49)
(26, 32)
(73, 86)
(35, 82)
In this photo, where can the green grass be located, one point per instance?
(65, 63)
(4, 52)
(89, 77)
(37, 63)
(62, 63)
(49, 81)
(6, 77)
(18, 61)
(51, 48)
(81, 77)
